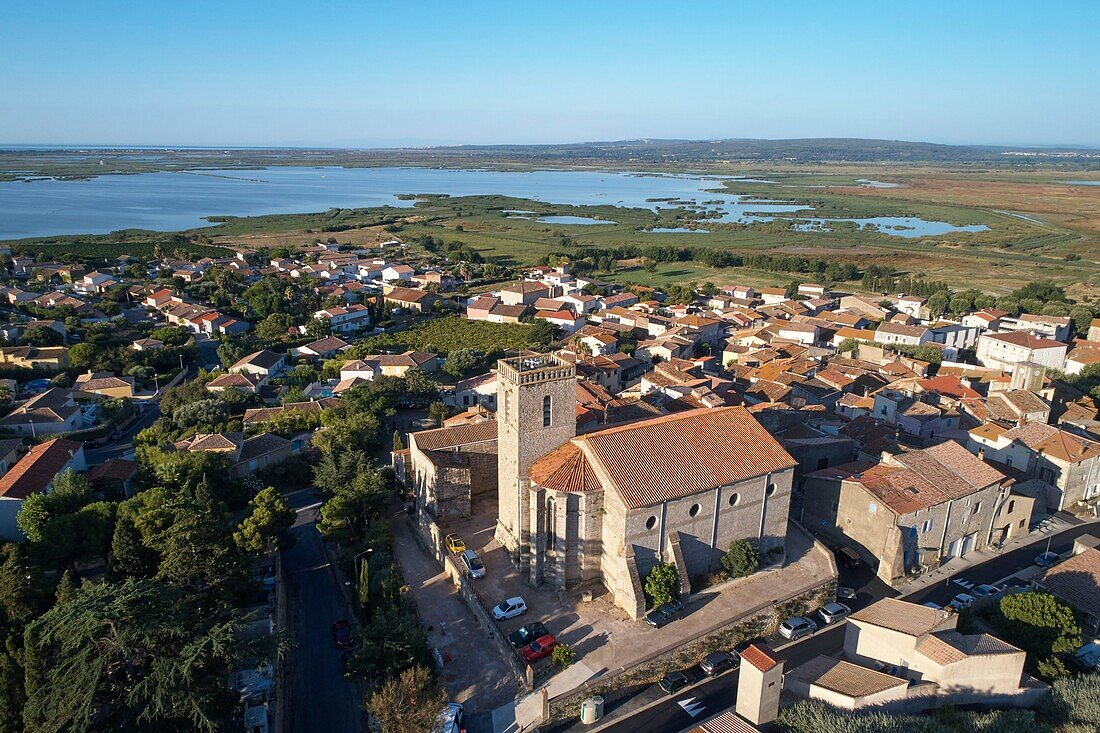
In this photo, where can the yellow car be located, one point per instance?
(455, 544)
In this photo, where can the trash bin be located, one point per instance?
(592, 709)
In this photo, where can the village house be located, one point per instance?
(1076, 580)
(34, 473)
(49, 413)
(905, 657)
(247, 455)
(987, 319)
(1005, 350)
(325, 348)
(31, 357)
(345, 319)
(411, 299)
(900, 333)
(912, 305)
(263, 364)
(911, 510)
(525, 292)
(1068, 464)
(102, 384)
(1056, 328)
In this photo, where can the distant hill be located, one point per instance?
(27, 162)
(752, 150)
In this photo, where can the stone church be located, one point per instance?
(609, 504)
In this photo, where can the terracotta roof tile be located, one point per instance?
(565, 469)
(907, 618)
(1077, 581)
(656, 460)
(453, 436)
(759, 658)
(846, 678)
(36, 470)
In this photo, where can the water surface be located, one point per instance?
(170, 201)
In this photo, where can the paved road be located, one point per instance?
(208, 354)
(321, 699)
(712, 696)
(124, 444)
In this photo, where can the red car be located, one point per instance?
(539, 648)
(341, 634)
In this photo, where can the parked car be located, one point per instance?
(524, 635)
(663, 614)
(846, 593)
(847, 557)
(796, 628)
(673, 682)
(455, 544)
(986, 591)
(473, 564)
(830, 613)
(1047, 559)
(341, 634)
(537, 649)
(961, 601)
(510, 608)
(450, 719)
(718, 662)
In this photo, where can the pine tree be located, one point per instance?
(130, 556)
(270, 518)
(66, 588)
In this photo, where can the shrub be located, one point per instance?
(1038, 623)
(563, 655)
(662, 584)
(741, 559)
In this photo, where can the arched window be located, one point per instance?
(546, 411)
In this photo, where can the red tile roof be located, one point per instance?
(668, 457)
(34, 472)
(759, 658)
(565, 469)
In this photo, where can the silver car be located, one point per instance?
(830, 613)
(796, 628)
(474, 566)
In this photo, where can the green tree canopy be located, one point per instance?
(409, 702)
(662, 584)
(1038, 623)
(741, 559)
(127, 656)
(267, 522)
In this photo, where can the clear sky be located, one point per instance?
(401, 72)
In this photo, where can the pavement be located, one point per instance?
(320, 697)
(473, 672)
(653, 710)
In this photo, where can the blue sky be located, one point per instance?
(422, 73)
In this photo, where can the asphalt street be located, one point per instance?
(321, 699)
(124, 444)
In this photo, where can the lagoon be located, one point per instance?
(181, 200)
(585, 220)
